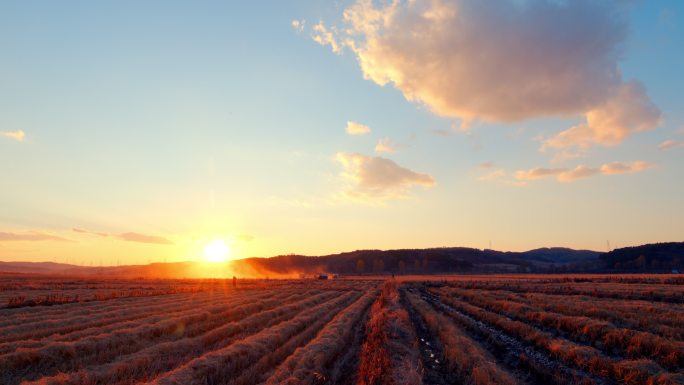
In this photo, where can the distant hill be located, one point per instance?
(427, 261)
(655, 257)
(660, 257)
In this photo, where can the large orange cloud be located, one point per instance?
(502, 61)
(628, 111)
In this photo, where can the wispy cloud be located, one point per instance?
(386, 145)
(538, 173)
(581, 171)
(623, 168)
(377, 178)
(354, 128)
(143, 238)
(128, 236)
(245, 237)
(84, 231)
(578, 172)
(494, 175)
(670, 144)
(31, 236)
(17, 135)
(324, 36)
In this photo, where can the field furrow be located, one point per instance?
(579, 356)
(469, 362)
(314, 361)
(612, 340)
(219, 366)
(70, 356)
(156, 359)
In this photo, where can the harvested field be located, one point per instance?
(461, 330)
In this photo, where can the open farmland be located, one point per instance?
(450, 330)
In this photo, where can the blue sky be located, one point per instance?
(217, 120)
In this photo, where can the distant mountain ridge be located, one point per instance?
(659, 257)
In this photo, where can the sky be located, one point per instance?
(135, 132)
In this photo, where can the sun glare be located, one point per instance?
(216, 251)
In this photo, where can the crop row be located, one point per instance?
(159, 358)
(464, 357)
(74, 329)
(636, 372)
(390, 351)
(221, 365)
(70, 356)
(627, 342)
(661, 293)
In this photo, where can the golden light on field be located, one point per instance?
(216, 251)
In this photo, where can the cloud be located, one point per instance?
(578, 172)
(245, 237)
(354, 128)
(629, 111)
(31, 236)
(18, 135)
(502, 61)
(323, 36)
(494, 175)
(622, 168)
(442, 132)
(84, 231)
(385, 145)
(298, 25)
(374, 177)
(670, 144)
(538, 173)
(581, 171)
(129, 236)
(486, 165)
(136, 237)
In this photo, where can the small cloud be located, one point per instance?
(385, 145)
(298, 25)
(136, 237)
(670, 144)
(354, 128)
(377, 178)
(31, 236)
(245, 237)
(486, 165)
(323, 36)
(16, 135)
(442, 132)
(494, 175)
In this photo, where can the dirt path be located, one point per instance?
(540, 367)
(431, 356)
(346, 370)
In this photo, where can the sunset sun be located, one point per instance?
(216, 251)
